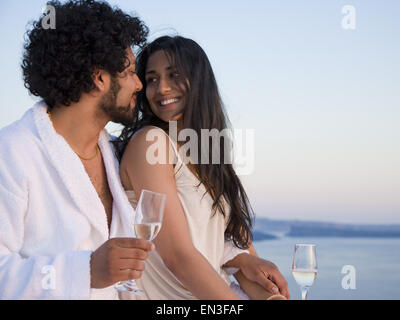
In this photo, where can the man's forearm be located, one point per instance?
(252, 250)
(236, 262)
(251, 288)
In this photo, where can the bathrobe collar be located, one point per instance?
(77, 182)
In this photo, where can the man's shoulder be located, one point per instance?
(20, 132)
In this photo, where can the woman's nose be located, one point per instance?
(164, 86)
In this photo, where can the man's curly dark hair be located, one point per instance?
(58, 64)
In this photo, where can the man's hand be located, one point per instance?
(263, 272)
(118, 259)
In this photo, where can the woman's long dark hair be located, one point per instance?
(203, 110)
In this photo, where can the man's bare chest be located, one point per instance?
(98, 176)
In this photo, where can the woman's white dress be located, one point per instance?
(206, 230)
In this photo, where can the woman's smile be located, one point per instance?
(168, 103)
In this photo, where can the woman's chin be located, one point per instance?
(169, 117)
(177, 117)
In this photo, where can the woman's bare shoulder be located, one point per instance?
(149, 140)
(143, 138)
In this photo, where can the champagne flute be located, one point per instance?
(147, 224)
(304, 267)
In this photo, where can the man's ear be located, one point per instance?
(101, 80)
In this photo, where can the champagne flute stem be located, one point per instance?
(304, 293)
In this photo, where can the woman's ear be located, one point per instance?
(101, 80)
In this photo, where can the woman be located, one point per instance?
(206, 203)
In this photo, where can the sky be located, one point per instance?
(323, 100)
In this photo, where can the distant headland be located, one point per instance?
(266, 229)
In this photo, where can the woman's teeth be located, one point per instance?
(165, 102)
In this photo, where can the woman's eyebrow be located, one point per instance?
(167, 68)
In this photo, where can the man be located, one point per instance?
(63, 211)
(65, 222)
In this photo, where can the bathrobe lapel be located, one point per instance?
(77, 182)
(123, 213)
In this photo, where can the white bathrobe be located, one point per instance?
(51, 217)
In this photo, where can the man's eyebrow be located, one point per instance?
(130, 63)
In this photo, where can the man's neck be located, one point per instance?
(80, 124)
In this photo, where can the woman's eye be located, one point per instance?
(175, 74)
(151, 80)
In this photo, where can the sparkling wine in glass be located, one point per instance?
(147, 224)
(304, 267)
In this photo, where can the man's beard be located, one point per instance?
(108, 104)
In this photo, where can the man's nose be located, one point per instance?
(139, 84)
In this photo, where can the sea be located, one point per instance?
(374, 273)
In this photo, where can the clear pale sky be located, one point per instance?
(324, 101)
